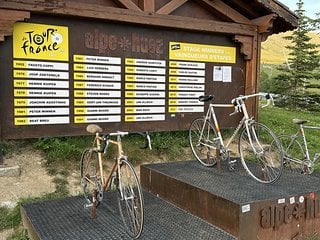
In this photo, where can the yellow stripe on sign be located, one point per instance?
(79, 85)
(20, 102)
(21, 121)
(173, 102)
(173, 64)
(130, 61)
(130, 110)
(79, 58)
(20, 111)
(80, 102)
(129, 118)
(130, 86)
(20, 83)
(79, 93)
(79, 119)
(79, 76)
(78, 111)
(130, 78)
(19, 64)
(173, 87)
(130, 102)
(173, 79)
(130, 70)
(20, 93)
(130, 94)
(79, 67)
(20, 74)
(173, 71)
(173, 109)
(173, 94)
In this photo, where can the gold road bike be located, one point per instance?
(121, 178)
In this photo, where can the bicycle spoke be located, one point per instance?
(203, 143)
(261, 153)
(130, 200)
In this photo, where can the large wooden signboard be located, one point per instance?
(62, 74)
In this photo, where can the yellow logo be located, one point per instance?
(38, 41)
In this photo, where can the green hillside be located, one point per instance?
(274, 51)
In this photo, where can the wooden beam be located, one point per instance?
(171, 6)
(226, 11)
(84, 10)
(264, 23)
(13, 15)
(246, 45)
(127, 4)
(7, 20)
(147, 5)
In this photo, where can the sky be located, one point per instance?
(310, 6)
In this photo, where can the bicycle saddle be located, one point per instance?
(206, 98)
(94, 128)
(299, 121)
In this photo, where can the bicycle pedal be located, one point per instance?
(87, 205)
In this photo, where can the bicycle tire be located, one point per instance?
(130, 199)
(293, 153)
(204, 145)
(263, 157)
(90, 177)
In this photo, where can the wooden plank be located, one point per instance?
(123, 15)
(13, 15)
(147, 5)
(171, 6)
(127, 4)
(226, 11)
(73, 9)
(281, 10)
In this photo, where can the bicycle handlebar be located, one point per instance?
(268, 96)
(96, 129)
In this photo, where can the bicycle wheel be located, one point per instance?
(261, 153)
(203, 143)
(90, 177)
(130, 199)
(293, 154)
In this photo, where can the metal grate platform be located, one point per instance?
(235, 202)
(237, 186)
(67, 219)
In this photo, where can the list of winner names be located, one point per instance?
(42, 90)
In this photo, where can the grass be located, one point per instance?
(279, 120)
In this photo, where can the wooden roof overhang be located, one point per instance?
(242, 17)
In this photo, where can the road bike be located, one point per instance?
(121, 178)
(260, 150)
(296, 152)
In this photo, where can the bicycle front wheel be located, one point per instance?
(90, 177)
(293, 154)
(130, 199)
(204, 141)
(261, 153)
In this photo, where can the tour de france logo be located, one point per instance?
(38, 41)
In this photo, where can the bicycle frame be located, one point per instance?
(302, 133)
(106, 181)
(243, 122)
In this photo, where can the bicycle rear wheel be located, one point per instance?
(293, 154)
(203, 143)
(90, 177)
(130, 199)
(261, 153)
